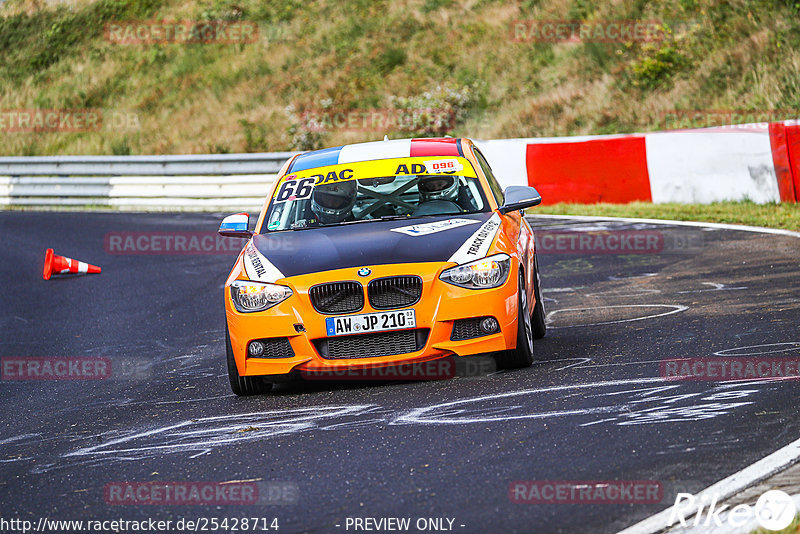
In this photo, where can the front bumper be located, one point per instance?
(439, 306)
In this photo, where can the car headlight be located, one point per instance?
(479, 274)
(250, 296)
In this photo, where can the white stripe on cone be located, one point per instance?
(75, 267)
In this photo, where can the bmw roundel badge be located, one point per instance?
(364, 271)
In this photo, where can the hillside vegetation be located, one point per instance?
(450, 56)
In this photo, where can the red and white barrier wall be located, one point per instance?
(759, 162)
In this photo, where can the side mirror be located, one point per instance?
(236, 226)
(519, 197)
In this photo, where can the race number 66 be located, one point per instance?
(295, 190)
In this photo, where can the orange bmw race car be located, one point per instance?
(382, 254)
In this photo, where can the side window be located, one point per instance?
(493, 184)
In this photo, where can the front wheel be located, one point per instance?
(522, 355)
(243, 385)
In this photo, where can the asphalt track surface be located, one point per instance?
(593, 408)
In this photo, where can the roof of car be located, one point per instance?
(396, 148)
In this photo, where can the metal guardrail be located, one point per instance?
(183, 165)
(146, 193)
(142, 183)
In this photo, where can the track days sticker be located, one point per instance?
(477, 246)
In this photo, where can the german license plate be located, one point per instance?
(366, 323)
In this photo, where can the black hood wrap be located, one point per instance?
(370, 243)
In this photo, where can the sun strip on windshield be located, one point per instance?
(300, 185)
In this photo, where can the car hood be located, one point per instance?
(456, 238)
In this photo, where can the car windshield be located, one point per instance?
(311, 201)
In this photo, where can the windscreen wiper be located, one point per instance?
(392, 217)
(384, 218)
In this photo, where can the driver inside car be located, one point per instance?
(333, 203)
(438, 188)
(446, 192)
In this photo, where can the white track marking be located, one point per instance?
(645, 275)
(676, 308)
(717, 226)
(207, 432)
(716, 287)
(416, 415)
(18, 438)
(793, 345)
(183, 401)
(623, 293)
(561, 289)
(620, 363)
(576, 364)
(639, 406)
(725, 488)
(631, 405)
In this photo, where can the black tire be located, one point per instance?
(521, 356)
(539, 326)
(243, 385)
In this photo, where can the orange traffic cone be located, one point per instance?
(55, 264)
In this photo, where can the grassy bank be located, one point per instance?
(785, 216)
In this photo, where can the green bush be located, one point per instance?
(433, 5)
(657, 67)
(255, 136)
